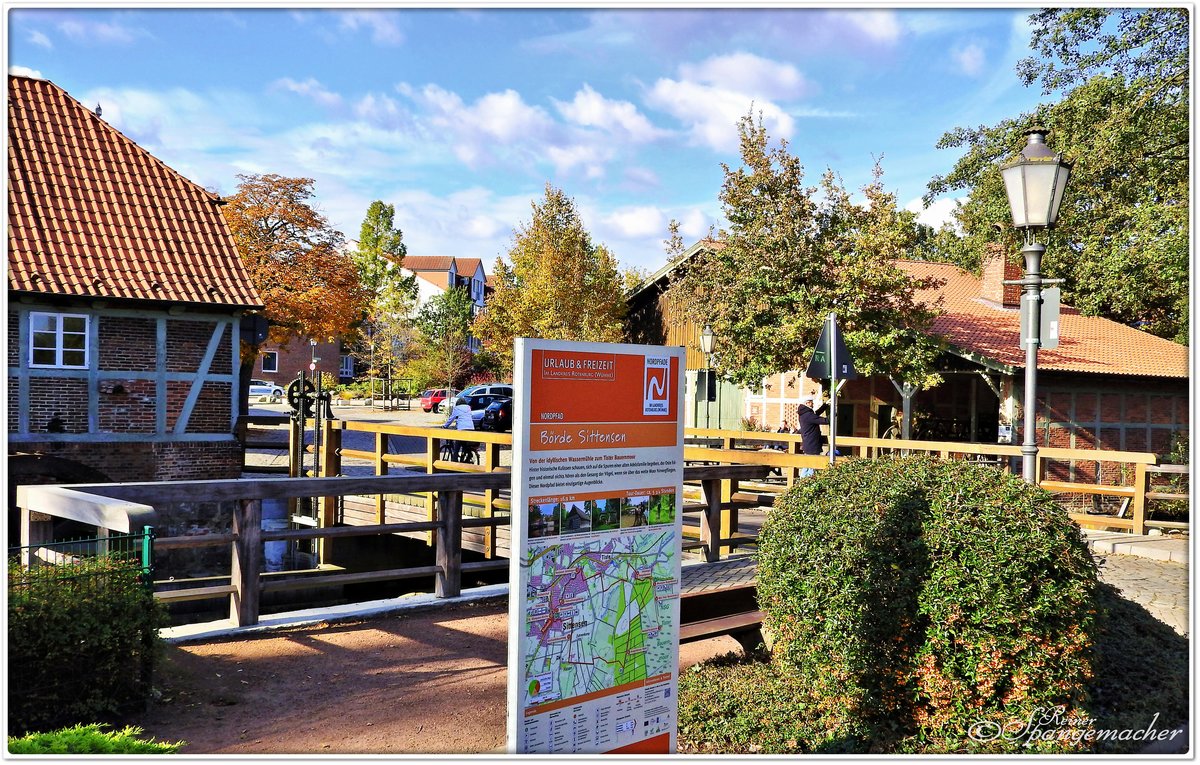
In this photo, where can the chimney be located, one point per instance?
(997, 268)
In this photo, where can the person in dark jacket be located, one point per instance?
(810, 429)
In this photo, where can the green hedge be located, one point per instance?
(82, 642)
(90, 739)
(915, 598)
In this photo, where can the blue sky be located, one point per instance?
(460, 117)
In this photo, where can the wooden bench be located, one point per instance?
(746, 628)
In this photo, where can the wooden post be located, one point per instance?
(491, 460)
(449, 545)
(793, 473)
(729, 519)
(710, 522)
(381, 468)
(331, 464)
(36, 529)
(1139, 498)
(432, 443)
(247, 560)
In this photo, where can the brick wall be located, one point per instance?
(125, 405)
(151, 461)
(1113, 414)
(128, 344)
(295, 357)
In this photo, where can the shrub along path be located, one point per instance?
(429, 681)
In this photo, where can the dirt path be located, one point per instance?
(417, 682)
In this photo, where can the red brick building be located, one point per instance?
(1106, 386)
(125, 298)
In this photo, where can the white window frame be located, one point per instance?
(58, 347)
(274, 366)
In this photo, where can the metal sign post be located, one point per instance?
(831, 361)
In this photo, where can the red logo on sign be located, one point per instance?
(655, 391)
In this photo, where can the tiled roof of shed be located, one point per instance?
(91, 213)
(1086, 343)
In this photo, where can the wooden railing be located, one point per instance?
(782, 453)
(120, 506)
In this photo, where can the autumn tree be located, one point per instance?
(560, 286)
(443, 328)
(293, 256)
(1122, 239)
(794, 253)
(386, 335)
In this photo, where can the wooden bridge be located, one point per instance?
(455, 506)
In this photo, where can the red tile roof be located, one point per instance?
(468, 266)
(1086, 343)
(428, 262)
(91, 213)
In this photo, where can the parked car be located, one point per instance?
(432, 399)
(260, 389)
(498, 415)
(479, 396)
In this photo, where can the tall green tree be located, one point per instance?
(386, 336)
(1122, 240)
(443, 327)
(792, 254)
(560, 285)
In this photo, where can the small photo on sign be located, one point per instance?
(606, 513)
(543, 520)
(661, 509)
(573, 518)
(634, 512)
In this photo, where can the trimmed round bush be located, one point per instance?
(930, 605)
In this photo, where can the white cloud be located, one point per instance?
(641, 179)
(24, 71)
(939, 212)
(382, 24)
(694, 225)
(633, 222)
(311, 89)
(382, 111)
(590, 109)
(711, 113)
(103, 32)
(495, 126)
(882, 26)
(748, 73)
(970, 59)
(40, 39)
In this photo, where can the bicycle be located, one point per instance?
(458, 451)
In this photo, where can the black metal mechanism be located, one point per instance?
(308, 401)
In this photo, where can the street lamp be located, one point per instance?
(1034, 181)
(706, 346)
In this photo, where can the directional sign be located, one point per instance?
(819, 366)
(1048, 322)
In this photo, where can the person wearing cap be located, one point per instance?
(810, 422)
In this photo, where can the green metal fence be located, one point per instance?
(75, 561)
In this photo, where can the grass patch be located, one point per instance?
(90, 739)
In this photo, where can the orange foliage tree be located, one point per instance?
(309, 286)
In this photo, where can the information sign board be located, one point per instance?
(594, 588)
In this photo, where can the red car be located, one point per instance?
(431, 398)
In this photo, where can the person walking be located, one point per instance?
(460, 419)
(810, 422)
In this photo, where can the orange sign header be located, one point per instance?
(570, 387)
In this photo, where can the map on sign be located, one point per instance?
(600, 614)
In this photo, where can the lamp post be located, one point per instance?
(1034, 181)
(706, 346)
